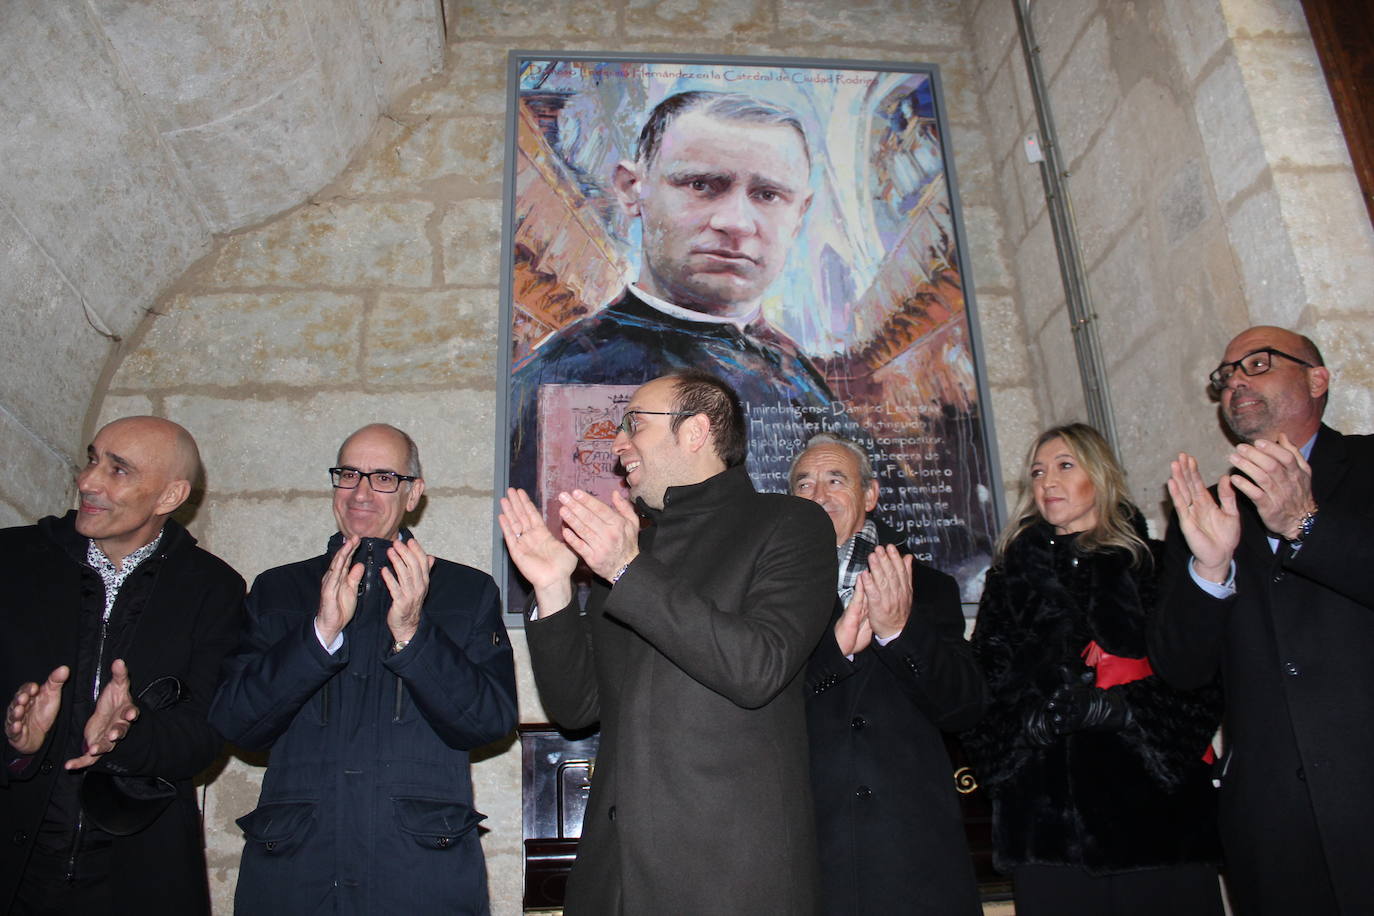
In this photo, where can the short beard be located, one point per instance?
(1250, 433)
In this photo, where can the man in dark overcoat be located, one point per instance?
(893, 671)
(114, 626)
(370, 671)
(1268, 579)
(690, 656)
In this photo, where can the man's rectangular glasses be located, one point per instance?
(629, 425)
(1257, 363)
(379, 481)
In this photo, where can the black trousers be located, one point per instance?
(1060, 890)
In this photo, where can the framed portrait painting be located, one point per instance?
(790, 226)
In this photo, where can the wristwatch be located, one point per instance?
(1305, 525)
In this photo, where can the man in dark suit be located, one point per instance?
(113, 624)
(892, 672)
(1269, 579)
(371, 671)
(690, 656)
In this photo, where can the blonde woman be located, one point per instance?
(1102, 801)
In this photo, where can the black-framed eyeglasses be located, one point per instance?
(347, 478)
(629, 426)
(1257, 363)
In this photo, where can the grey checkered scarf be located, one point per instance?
(853, 556)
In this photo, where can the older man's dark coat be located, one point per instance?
(888, 824)
(692, 664)
(1295, 648)
(177, 616)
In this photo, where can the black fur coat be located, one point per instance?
(1106, 801)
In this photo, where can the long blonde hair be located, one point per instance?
(1114, 527)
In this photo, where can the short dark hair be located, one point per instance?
(727, 106)
(697, 392)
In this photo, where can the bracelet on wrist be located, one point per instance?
(1305, 525)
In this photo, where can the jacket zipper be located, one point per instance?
(99, 660)
(362, 591)
(95, 697)
(367, 584)
(76, 844)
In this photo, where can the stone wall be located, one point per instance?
(134, 131)
(1212, 190)
(379, 298)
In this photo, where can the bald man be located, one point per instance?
(113, 625)
(1268, 584)
(369, 671)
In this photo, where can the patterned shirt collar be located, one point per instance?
(853, 556)
(112, 577)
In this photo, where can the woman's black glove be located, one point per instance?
(1087, 709)
(1039, 732)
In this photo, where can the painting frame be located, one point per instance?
(556, 176)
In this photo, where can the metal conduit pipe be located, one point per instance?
(1054, 176)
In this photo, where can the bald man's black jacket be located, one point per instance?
(1295, 648)
(177, 616)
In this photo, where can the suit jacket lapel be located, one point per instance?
(1329, 463)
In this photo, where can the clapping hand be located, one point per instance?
(1279, 484)
(542, 559)
(1210, 526)
(853, 632)
(887, 586)
(114, 713)
(338, 592)
(605, 537)
(32, 711)
(407, 580)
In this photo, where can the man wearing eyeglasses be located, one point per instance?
(1269, 585)
(370, 672)
(689, 656)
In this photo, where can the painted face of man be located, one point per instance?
(362, 511)
(720, 206)
(1064, 494)
(829, 475)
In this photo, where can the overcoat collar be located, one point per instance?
(62, 533)
(728, 487)
(1329, 462)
